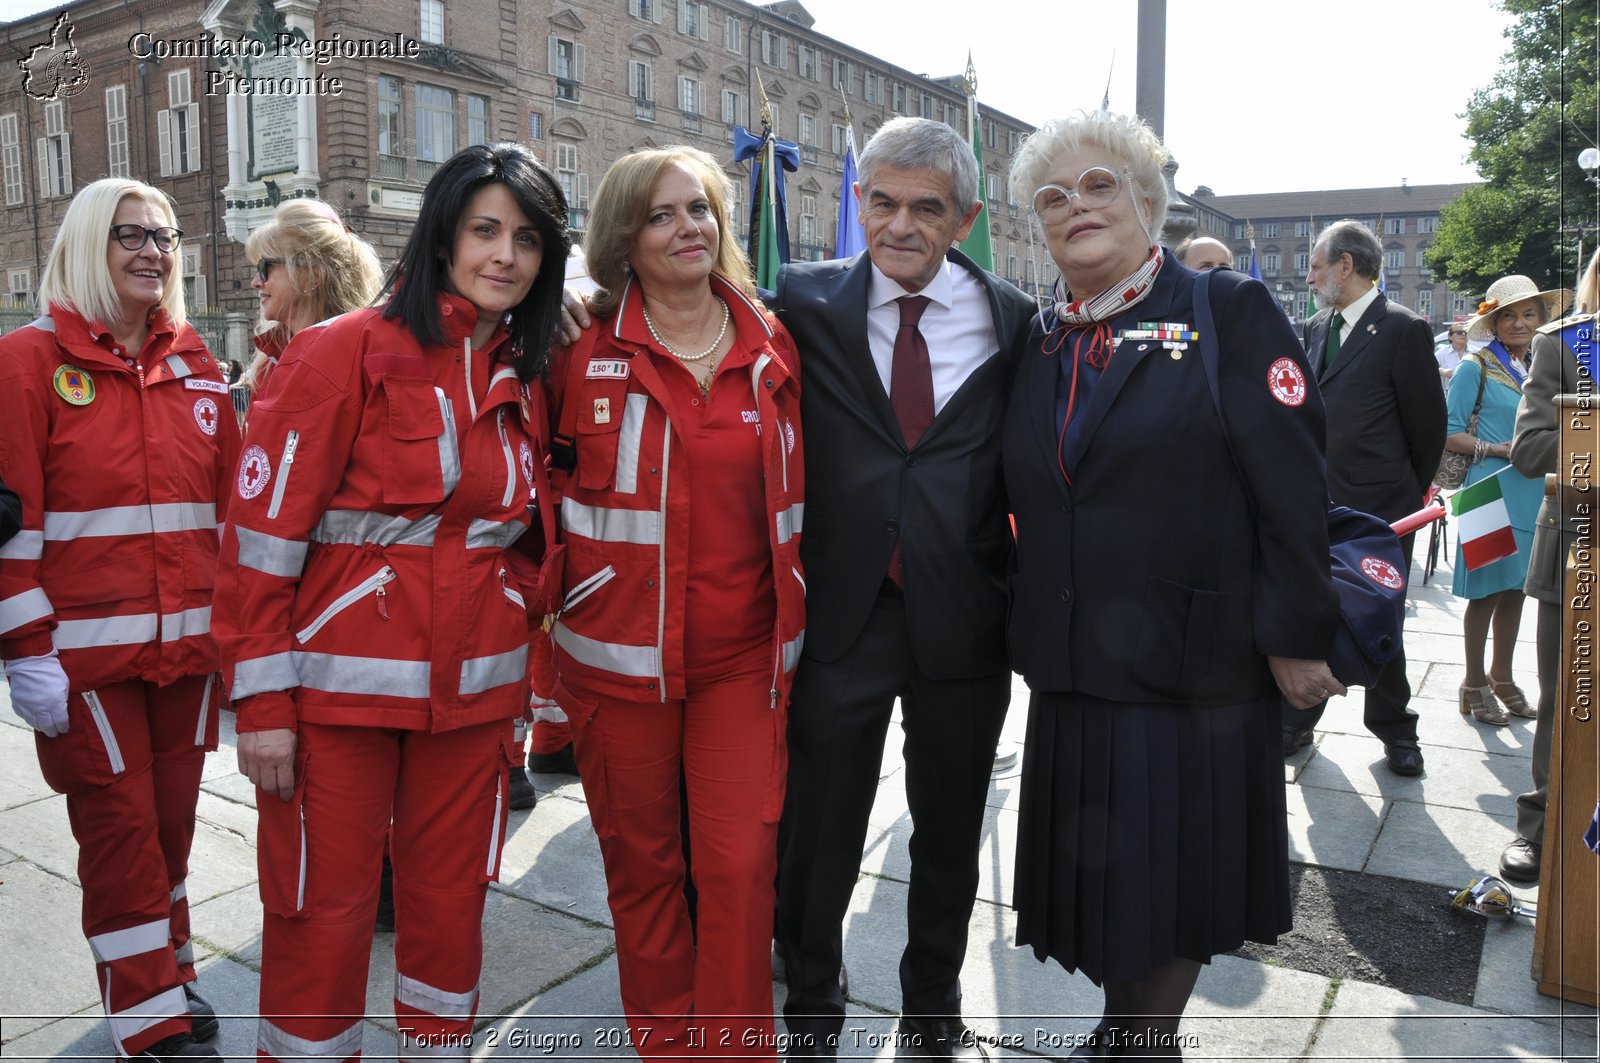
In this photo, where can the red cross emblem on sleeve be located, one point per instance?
(254, 471)
(205, 415)
(1287, 381)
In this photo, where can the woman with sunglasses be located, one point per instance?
(1173, 587)
(373, 615)
(115, 435)
(308, 267)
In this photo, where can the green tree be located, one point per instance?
(1527, 127)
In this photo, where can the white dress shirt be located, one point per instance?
(1353, 312)
(957, 324)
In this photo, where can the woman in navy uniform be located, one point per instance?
(1173, 584)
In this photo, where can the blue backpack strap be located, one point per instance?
(1206, 325)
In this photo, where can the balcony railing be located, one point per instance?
(566, 89)
(691, 122)
(392, 167)
(644, 109)
(425, 168)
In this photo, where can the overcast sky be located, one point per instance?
(1262, 95)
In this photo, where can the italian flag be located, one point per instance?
(1485, 526)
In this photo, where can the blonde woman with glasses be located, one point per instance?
(115, 436)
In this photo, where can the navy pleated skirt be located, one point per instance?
(1149, 833)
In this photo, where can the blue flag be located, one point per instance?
(851, 239)
(1255, 267)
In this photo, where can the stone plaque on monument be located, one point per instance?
(274, 123)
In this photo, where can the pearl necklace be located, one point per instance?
(723, 331)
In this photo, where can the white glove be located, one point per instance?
(39, 692)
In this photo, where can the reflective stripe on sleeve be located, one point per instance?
(278, 1043)
(791, 651)
(338, 674)
(270, 554)
(131, 941)
(603, 524)
(433, 1000)
(131, 520)
(24, 546)
(354, 527)
(615, 657)
(258, 675)
(790, 521)
(495, 534)
(485, 673)
(24, 608)
(628, 438)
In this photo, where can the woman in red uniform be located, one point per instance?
(374, 633)
(677, 417)
(309, 267)
(105, 595)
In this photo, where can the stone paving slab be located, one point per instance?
(552, 856)
(526, 947)
(1449, 847)
(1375, 1023)
(1332, 828)
(20, 781)
(1505, 984)
(1455, 778)
(49, 970)
(890, 825)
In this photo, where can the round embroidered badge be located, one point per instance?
(205, 415)
(1287, 381)
(1382, 573)
(254, 471)
(74, 385)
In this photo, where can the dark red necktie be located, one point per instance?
(910, 391)
(911, 376)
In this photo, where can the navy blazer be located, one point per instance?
(1386, 413)
(1178, 557)
(942, 499)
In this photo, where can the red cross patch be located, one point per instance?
(205, 415)
(1287, 382)
(1382, 573)
(254, 471)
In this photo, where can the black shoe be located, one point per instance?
(203, 1024)
(523, 794)
(927, 1038)
(1520, 862)
(178, 1046)
(1295, 739)
(1098, 1044)
(561, 762)
(1404, 758)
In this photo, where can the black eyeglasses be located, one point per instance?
(264, 267)
(134, 237)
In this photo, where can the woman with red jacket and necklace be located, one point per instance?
(384, 487)
(684, 609)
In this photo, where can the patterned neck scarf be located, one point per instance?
(1084, 320)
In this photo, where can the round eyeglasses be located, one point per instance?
(134, 237)
(1097, 187)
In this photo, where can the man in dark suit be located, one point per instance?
(905, 553)
(1386, 422)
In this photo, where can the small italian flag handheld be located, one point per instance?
(1485, 528)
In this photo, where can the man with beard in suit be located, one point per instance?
(1386, 421)
(906, 353)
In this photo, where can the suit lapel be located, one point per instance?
(1316, 341)
(1125, 358)
(849, 289)
(1360, 338)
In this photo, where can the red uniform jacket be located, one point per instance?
(365, 578)
(120, 460)
(625, 517)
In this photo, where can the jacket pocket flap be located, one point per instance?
(413, 408)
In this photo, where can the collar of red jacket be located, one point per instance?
(91, 339)
(749, 323)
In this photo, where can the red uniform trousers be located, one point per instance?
(321, 857)
(705, 990)
(129, 765)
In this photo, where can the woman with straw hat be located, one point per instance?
(1508, 317)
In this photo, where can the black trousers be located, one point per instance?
(1387, 712)
(838, 721)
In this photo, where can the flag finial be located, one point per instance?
(1105, 101)
(846, 101)
(766, 107)
(970, 81)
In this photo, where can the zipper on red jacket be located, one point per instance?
(511, 461)
(291, 443)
